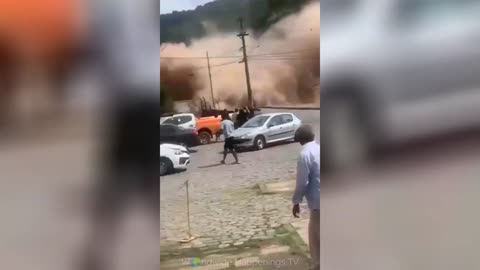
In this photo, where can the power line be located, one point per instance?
(285, 59)
(284, 53)
(236, 56)
(260, 59)
(219, 65)
(196, 57)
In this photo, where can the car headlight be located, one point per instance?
(178, 152)
(246, 136)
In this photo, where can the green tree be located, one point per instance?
(258, 15)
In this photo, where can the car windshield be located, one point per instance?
(337, 9)
(256, 121)
(163, 120)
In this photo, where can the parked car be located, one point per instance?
(184, 120)
(178, 135)
(207, 127)
(163, 119)
(266, 128)
(173, 157)
(395, 71)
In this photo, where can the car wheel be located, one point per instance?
(344, 133)
(205, 137)
(166, 166)
(259, 142)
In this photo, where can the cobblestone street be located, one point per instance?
(226, 206)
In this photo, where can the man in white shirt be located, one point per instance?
(228, 128)
(308, 186)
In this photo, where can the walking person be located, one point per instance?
(308, 186)
(228, 128)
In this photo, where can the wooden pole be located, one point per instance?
(211, 85)
(242, 35)
(188, 212)
(190, 236)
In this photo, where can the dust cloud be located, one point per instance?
(284, 64)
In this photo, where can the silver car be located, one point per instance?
(396, 71)
(266, 128)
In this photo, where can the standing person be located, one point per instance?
(247, 113)
(251, 112)
(125, 39)
(227, 127)
(308, 185)
(241, 118)
(234, 118)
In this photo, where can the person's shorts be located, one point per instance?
(229, 144)
(134, 134)
(131, 158)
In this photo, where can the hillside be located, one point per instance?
(184, 26)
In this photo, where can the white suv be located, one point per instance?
(173, 157)
(396, 70)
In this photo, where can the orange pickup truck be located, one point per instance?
(208, 127)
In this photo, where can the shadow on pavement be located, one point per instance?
(211, 166)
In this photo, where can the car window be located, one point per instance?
(171, 121)
(276, 121)
(434, 13)
(287, 118)
(167, 129)
(338, 9)
(256, 121)
(183, 119)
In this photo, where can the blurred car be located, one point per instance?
(163, 119)
(266, 128)
(394, 71)
(173, 157)
(184, 120)
(178, 135)
(207, 127)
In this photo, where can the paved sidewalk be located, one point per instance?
(265, 244)
(285, 251)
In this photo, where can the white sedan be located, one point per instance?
(172, 158)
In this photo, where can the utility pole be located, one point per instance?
(242, 35)
(211, 85)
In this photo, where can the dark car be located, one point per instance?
(177, 135)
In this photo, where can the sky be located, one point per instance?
(167, 6)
